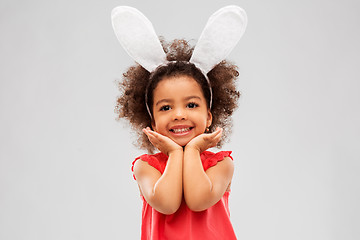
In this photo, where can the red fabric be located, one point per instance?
(211, 224)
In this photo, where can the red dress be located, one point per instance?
(212, 223)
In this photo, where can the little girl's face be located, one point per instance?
(179, 109)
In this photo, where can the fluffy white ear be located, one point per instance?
(220, 35)
(137, 36)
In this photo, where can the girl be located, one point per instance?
(182, 110)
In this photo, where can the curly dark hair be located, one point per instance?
(137, 82)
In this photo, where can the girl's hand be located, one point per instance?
(205, 141)
(161, 142)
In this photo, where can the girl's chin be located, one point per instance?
(182, 142)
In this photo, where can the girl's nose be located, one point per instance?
(179, 114)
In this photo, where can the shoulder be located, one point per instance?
(226, 166)
(148, 162)
(210, 159)
(142, 168)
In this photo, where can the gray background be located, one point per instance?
(65, 161)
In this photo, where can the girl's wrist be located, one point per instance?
(192, 148)
(175, 151)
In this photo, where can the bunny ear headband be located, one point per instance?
(220, 35)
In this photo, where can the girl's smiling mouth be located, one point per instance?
(181, 130)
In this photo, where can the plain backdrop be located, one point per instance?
(65, 161)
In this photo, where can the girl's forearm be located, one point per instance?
(167, 191)
(197, 185)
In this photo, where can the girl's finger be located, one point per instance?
(145, 131)
(216, 138)
(149, 132)
(150, 135)
(217, 132)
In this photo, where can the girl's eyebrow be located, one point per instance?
(166, 100)
(190, 97)
(162, 100)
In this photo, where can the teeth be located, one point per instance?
(180, 130)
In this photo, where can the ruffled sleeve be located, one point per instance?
(210, 159)
(158, 161)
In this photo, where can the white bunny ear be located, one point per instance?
(137, 36)
(220, 35)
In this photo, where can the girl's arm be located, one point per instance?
(162, 192)
(203, 189)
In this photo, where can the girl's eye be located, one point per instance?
(165, 108)
(192, 105)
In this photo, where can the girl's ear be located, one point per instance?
(153, 126)
(209, 119)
